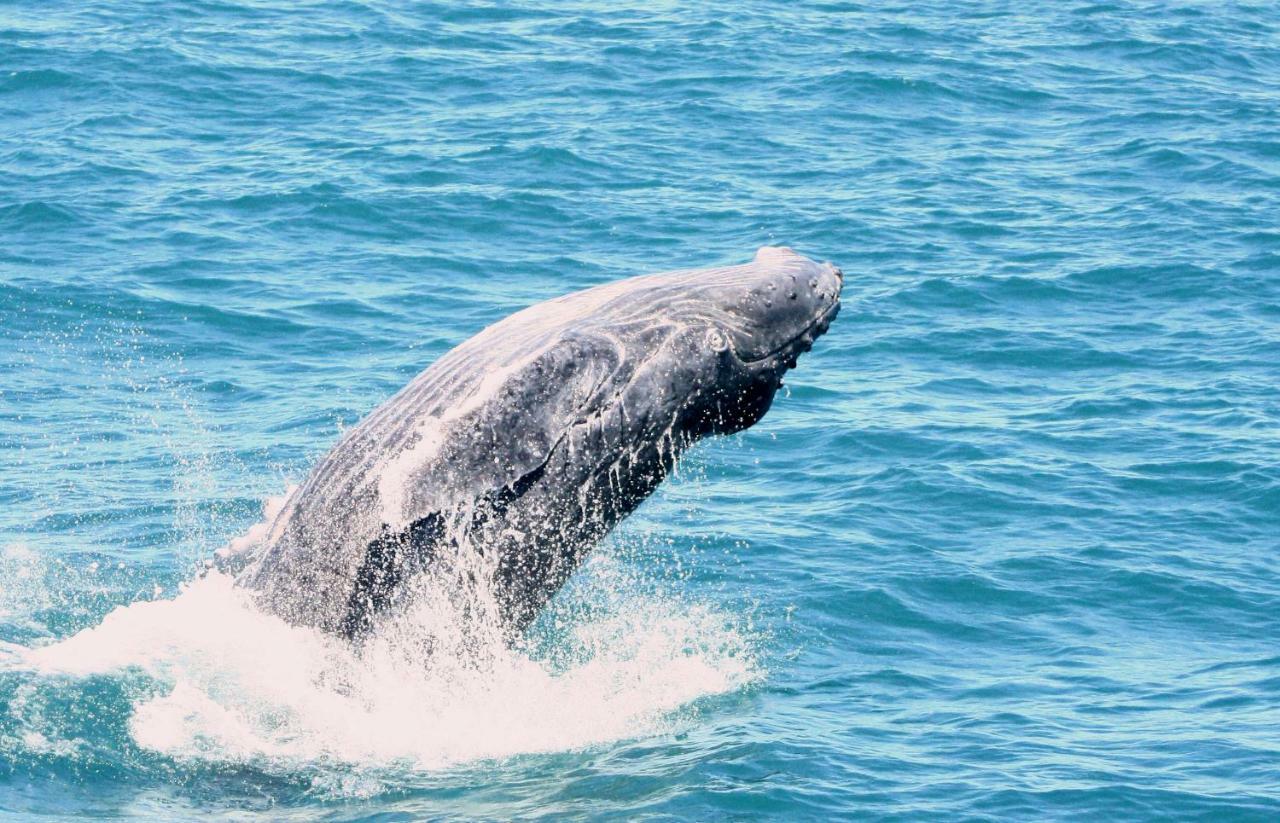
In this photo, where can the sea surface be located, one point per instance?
(1008, 547)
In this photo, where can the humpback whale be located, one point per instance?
(502, 464)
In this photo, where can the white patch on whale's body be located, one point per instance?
(400, 472)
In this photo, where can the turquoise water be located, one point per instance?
(1006, 550)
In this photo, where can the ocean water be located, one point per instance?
(1007, 548)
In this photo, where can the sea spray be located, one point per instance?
(229, 684)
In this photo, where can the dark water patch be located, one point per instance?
(37, 80)
(37, 216)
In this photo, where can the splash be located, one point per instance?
(23, 571)
(258, 533)
(236, 685)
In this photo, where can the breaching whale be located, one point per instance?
(506, 460)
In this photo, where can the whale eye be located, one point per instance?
(717, 341)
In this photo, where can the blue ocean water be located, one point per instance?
(1007, 548)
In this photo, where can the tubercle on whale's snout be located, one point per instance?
(785, 357)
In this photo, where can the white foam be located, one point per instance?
(257, 533)
(241, 686)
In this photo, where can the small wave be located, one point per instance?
(38, 214)
(35, 79)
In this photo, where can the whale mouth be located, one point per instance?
(802, 342)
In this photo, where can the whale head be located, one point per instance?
(729, 336)
(768, 316)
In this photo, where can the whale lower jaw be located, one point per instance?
(784, 358)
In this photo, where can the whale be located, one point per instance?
(499, 467)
